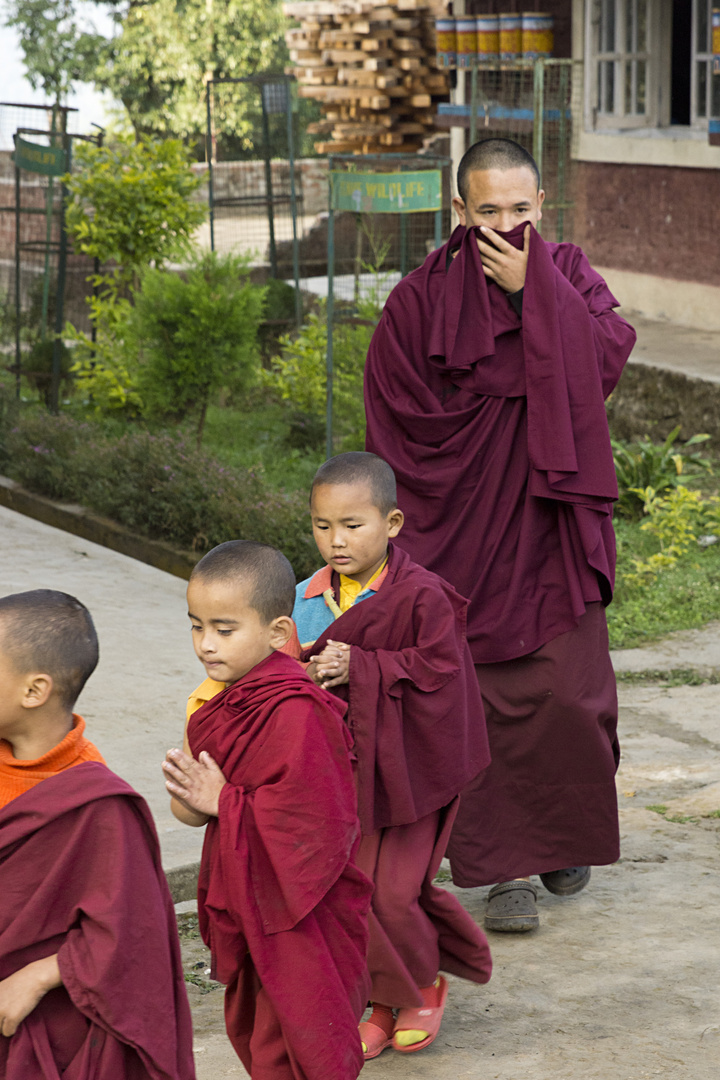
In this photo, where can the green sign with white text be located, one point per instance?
(47, 160)
(387, 193)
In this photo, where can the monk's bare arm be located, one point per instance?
(24, 989)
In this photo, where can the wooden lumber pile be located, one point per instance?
(372, 65)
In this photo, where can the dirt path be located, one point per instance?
(620, 982)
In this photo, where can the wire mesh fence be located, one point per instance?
(43, 282)
(380, 240)
(534, 104)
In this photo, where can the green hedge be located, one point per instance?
(160, 486)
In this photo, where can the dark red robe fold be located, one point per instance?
(417, 722)
(496, 430)
(81, 876)
(415, 712)
(282, 906)
(495, 426)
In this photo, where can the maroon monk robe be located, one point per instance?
(415, 715)
(282, 906)
(81, 877)
(495, 427)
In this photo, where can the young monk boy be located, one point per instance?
(389, 638)
(282, 906)
(91, 983)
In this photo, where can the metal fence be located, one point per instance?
(43, 282)
(533, 103)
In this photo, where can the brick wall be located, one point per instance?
(235, 179)
(650, 219)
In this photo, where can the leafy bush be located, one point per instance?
(196, 333)
(131, 202)
(298, 376)
(644, 464)
(158, 485)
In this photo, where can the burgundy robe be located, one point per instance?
(81, 877)
(415, 713)
(416, 718)
(282, 906)
(496, 429)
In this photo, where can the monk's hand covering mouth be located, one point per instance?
(502, 262)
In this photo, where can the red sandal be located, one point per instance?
(428, 1018)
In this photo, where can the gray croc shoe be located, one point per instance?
(511, 907)
(566, 882)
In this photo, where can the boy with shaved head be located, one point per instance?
(484, 388)
(91, 983)
(388, 637)
(266, 765)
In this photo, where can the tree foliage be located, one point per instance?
(131, 203)
(58, 50)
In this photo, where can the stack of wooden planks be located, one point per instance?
(372, 65)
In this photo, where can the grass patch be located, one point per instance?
(676, 819)
(673, 677)
(682, 597)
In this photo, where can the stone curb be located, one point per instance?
(182, 881)
(80, 521)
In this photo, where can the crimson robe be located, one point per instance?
(495, 426)
(282, 906)
(419, 736)
(415, 713)
(82, 877)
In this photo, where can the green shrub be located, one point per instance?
(158, 485)
(196, 332)
(131, 202)
(644, 464)
(298, 377)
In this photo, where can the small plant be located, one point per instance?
(196, 333)
(644, 464)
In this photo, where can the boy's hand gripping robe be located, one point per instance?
(81, 877)
(278, 890)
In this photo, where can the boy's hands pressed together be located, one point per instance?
(24, 989)
(195, 784)
(331, 667)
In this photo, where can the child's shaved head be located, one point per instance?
(52, 633)
(270, 576)
(358, 467)
(499, 154)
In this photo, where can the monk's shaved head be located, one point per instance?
(269, 575)
(50, 633)
(358, 467)
(502, 154)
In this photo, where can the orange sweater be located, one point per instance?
(18, 776)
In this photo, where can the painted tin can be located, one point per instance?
(716, 40)
(446, 42)
(510, 36)
(466, 41)
(537, 35)
(488, 38)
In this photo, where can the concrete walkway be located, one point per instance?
(134, 704)
(620, 981)
(666, 345)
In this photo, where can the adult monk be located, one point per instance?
(484, 387)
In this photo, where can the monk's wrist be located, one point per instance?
(46, 973)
